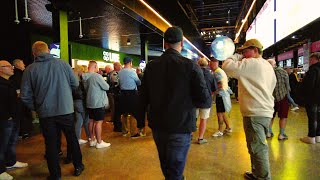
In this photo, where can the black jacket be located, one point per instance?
(17, 77)
(8, 102)
(311, 85)
(171, 88)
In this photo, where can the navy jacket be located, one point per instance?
(47, 86)
(8, 102)
(211, 86)
(171, 88)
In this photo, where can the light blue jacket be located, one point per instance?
(47, 86)
(96, 88)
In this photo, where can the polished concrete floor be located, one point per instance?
(221, 158)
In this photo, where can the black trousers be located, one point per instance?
(50, 127)
(24, 116)
(313, 112)
(129, 103)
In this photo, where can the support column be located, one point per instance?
(64, 42)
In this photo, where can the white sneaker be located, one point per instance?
(218, 134)
(82, 141)
(93, 143)
(295, 108)
(18, 164)
(308, 140)
(317, 139)
(227, 131)
(102, 145)
(5, 176)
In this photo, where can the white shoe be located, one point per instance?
(308, 140)
(93, 143)
(227, 131)
(5, 176)
(102, 145)
(82, 141)
(218, 134)
(295, 108)
(317, 139)
(18, 165)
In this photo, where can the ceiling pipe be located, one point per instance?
(16, 12)
(26, 17)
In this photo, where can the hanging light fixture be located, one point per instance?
(16, 12)
(26, 17)
(128, 42)
(80, 28)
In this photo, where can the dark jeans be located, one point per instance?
(24, 116)
(50, 127)
(9, 130)
(172, 150)
(313, 112)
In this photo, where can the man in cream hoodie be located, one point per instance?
(257, 81)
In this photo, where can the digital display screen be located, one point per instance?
(55, 49)
(281, 64)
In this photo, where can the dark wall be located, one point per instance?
(15, 39)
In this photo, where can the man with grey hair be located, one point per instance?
(171, 100)
(46, 87)
(310, 93)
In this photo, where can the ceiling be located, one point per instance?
(110, 24)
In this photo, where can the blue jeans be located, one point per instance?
(82, 117)
(9, 130)
(291, 101)
(172, 150)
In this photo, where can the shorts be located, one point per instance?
(282, 107)
(220, 105)
(96, 114)
(204, 113)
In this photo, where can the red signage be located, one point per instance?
(315, 46)
(300, 51)
(285, 55)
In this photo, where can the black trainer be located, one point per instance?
(78, 170)
(249, 175)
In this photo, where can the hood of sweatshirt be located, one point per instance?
(44, 57)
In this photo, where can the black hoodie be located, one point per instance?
(311, 85)
(8, 102)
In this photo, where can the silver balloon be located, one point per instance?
(222, 48)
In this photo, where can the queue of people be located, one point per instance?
(67, 99)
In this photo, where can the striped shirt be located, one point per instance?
(281, 90)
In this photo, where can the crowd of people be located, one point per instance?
(171, 93)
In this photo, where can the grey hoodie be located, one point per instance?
(47, 86)
(96, 88)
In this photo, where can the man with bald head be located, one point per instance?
(8, 125)
(46, 87)
(24, 115)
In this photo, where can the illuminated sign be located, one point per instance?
(109, 56)
(262, 28)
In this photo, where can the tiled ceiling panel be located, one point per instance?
(103, 25)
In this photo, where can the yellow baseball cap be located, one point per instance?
(251, 43)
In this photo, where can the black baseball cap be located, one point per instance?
(173, 35)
